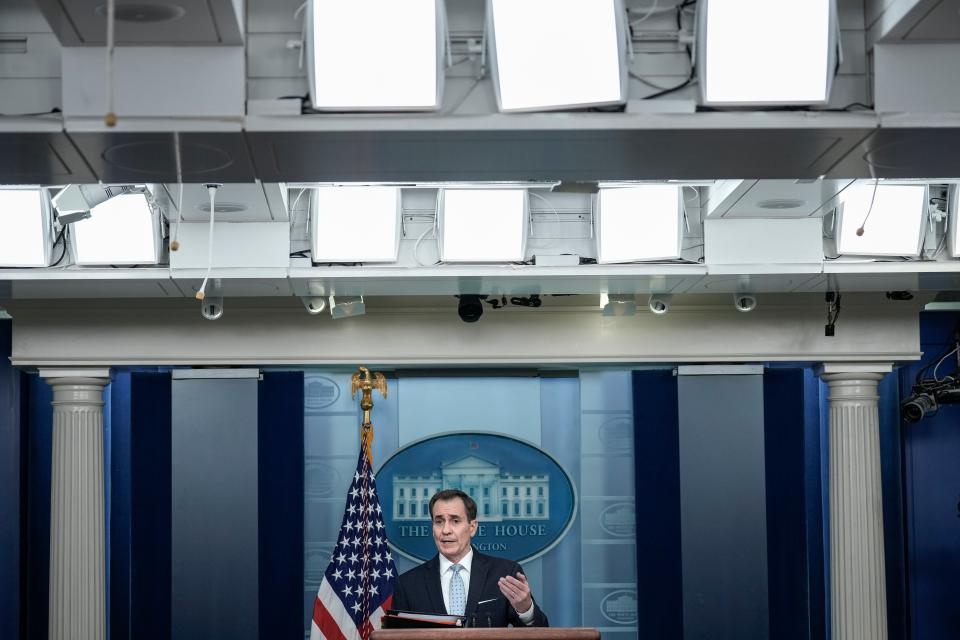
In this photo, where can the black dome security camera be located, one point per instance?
(471, 307)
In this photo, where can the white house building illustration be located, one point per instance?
(499, 495)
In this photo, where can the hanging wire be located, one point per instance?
(110, 118)
(873, 196)
(175, 243)
(212, 189)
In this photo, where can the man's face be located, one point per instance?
(452, 531)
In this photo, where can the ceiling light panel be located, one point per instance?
(123, 230)
(953, 219)
(766, 52)
(376, 55)
(557, 54)
(639, 223)
(892, 224)
(483, 225)
(25, 224)
(356, 224)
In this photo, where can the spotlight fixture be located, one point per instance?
(347, 307)
(618, 304)
(76, 201)
(471, 307)
(211, 307)
(659, 303)
(314, 305)
(744, 302)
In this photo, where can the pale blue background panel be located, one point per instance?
(723, 507)
(430, 406)
(214, 509)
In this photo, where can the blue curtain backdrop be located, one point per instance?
(10, 517)
(793, 490)
(280, 461)
(932, 496)
(137, 425)
(657, 459)
(37, 441)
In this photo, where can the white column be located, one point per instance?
(77, 548)
(858, 593)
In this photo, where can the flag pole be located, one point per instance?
(357, 588)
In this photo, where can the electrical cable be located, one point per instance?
(686, 219)
(691, 78)
(35, 114)
(648, 14)
(416, 247)
(548, 203)
(303, 34)
(861, 229)
(61, 236)
(459, 103)
(946, 232)
(212, 190)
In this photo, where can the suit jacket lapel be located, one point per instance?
(434, 593)
(478, 578)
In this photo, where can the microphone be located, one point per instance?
(477, 607)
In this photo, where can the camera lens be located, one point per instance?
(470, 308)
(917, 406)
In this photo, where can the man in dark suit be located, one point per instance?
(495, 592)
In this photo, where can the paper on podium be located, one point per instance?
(396, 619)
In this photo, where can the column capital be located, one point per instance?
(76, 387)
(89, 375)
(831, 371)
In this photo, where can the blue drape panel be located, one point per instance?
(149, 602)
(931, 452)
(891, 478)
(657, 461)
(38, 438)
(10, 516)
(116, 421)
(790, 564)
(280, 485)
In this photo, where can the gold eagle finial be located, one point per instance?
(366, 382)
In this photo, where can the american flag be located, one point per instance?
(357, 587)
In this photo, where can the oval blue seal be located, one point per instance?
(620, 607)
(526, 502)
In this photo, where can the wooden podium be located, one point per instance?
(488, 633)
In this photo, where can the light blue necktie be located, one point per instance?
(458, 596)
